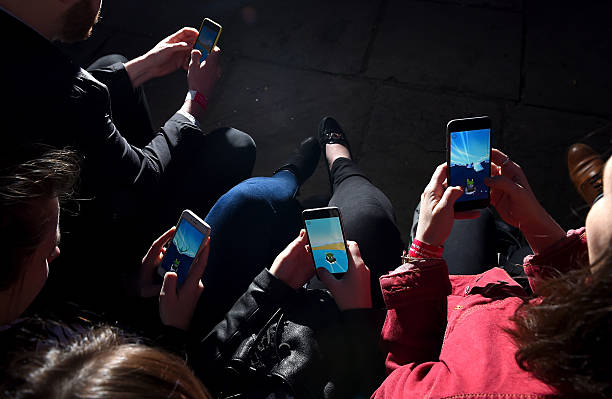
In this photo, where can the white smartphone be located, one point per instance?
(327, 240)
(191, 232)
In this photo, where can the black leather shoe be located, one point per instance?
(330, 132)
(304, 159)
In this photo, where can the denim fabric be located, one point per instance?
(251, 224)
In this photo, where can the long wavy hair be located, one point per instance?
(565, 339)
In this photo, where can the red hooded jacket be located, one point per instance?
(446, 335)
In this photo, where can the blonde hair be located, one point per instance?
(102, 365)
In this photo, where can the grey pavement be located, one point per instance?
(393, 72)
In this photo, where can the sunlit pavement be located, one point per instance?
(393, 72)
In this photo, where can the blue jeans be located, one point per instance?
(251, 224)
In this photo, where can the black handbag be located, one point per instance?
(292, 355)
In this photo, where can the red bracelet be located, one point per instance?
(198, 97)
(419, 249)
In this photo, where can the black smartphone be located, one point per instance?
(191, 232)
(208, 37)
(326, 239)
(468, 156)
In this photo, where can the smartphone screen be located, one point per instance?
(327, 244)
(207, 39)
(182, 250)
(470, 163)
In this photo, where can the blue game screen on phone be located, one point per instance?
(327, 244)
(205, 41)
(470, 162)
(182, 250)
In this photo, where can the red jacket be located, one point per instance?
(445, 335)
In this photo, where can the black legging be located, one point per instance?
(368, 219)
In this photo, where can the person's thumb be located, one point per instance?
(169, 286)
(450, 196)
(195, 59)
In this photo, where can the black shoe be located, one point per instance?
(304, 159)
(330, 132)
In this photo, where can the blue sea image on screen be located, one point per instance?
(327, 244)
(182, 251)
(470, 163)
(205, 41)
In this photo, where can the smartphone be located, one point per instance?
(191, 232)
(326, 239)
(468, 156)
(208, 37)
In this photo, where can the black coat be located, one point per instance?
(49, 99)
(276, 340)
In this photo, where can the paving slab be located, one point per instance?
(279, 107)
(329, 36)
(448, 46)
(568, 56)
(515, 5)
(406, 141)
(538, 139)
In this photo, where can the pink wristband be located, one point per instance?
(419, 249)
(198, 98)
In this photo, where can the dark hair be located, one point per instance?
(104, 364)
(51, 174)
(566, 338)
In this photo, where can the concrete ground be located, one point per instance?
(393, 72)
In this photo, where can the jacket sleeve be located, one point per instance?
(415, 295)
(570, 253)
(109, 156)
(256, 306)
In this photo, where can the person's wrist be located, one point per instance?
(198, 98)
(422, 249)
(193, 109)
(426, 237)
(138, 70)
(542, 233)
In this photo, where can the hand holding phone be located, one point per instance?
(327, 239)
(517, 205)
(191, 232)
(353, 291)
(177, 304)
(293, 265)
(146, 285)
(437, 214)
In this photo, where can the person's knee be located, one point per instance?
(235, 144)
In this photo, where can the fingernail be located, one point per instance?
(302, 231)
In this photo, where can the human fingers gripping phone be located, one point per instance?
(327, 240)
(191, 232)
(468, 156)
(207, 38)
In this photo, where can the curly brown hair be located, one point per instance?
(565, 338)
